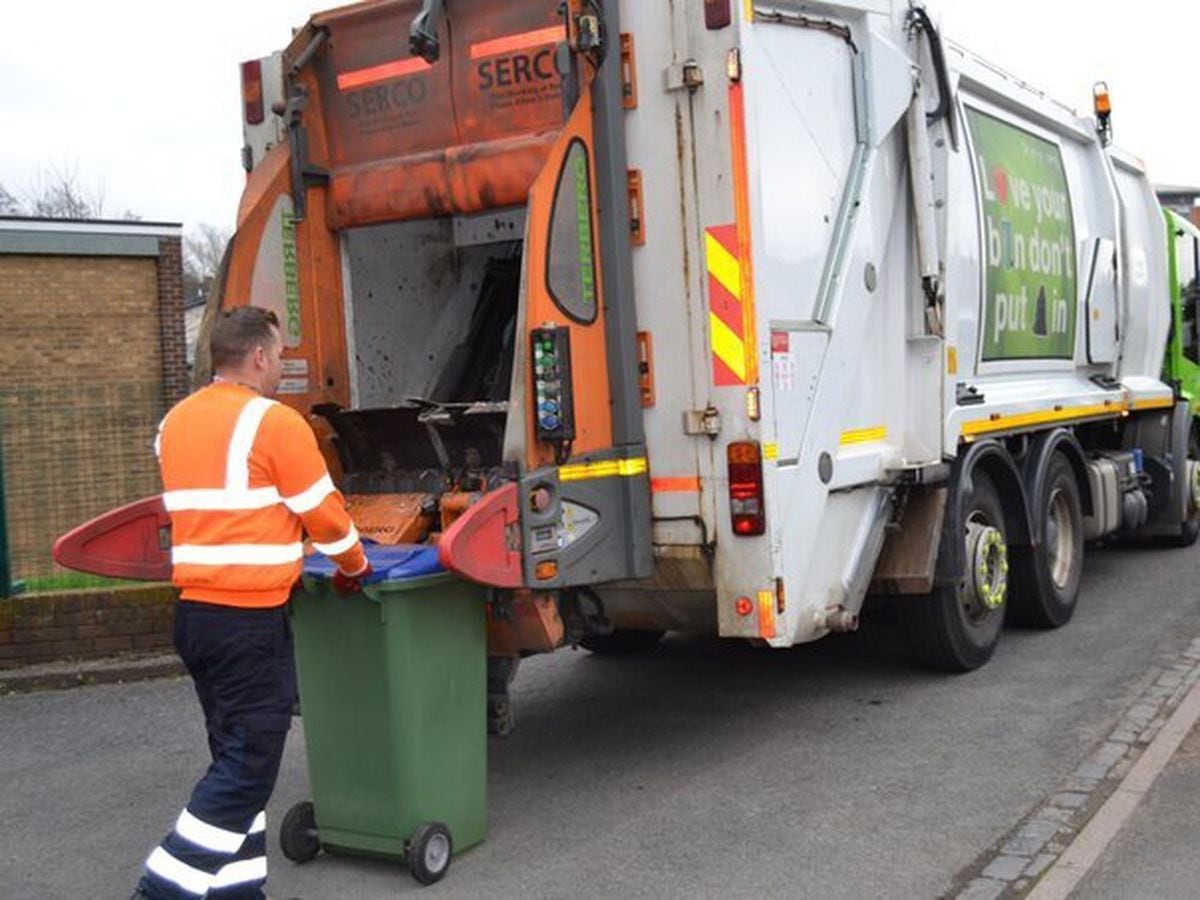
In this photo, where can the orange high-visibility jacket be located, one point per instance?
(242, 480)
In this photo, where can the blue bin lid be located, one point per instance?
(390, 563)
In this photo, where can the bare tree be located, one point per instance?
(203, 247)
(56, 193)
(9, 205)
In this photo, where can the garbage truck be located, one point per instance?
(714, 316)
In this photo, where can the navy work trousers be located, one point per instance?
(242, 665)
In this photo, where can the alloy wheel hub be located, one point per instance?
(987, 555)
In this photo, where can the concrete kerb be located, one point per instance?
(73, 673)
(1050, 850)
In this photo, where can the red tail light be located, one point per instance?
(746, 489)
(716, 14)
(252, 91)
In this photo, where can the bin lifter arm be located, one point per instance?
(484, 543)
(133, 542)
(423, 33)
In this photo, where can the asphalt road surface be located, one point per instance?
(702, 768)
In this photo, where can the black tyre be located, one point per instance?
(621, 643)
(298, 834)
(429, 852)
(955, 629)
(1045, 583)
(1189, 531)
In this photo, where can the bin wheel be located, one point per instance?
(429, 852)
(298, 833)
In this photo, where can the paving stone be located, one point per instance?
(1040, 864)
(1093, 770)
(1023, 845)
(1124, 737)
(1039, 827)
(1069, 799)
(983, 889)
(1082, 784)
(1054, 814)
(1006, 868)
(1142, 713)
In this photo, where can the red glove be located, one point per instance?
(350, 584)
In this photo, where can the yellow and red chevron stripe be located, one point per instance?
(731, 271)
(726, 317)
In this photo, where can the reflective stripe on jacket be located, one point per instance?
(243, 480)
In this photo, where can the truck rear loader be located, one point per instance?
(715, 315)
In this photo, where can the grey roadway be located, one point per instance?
(701, 769)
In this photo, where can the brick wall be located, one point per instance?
(81, 390)
(173, 337)
(40, 628)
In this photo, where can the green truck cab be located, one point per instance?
(1181, 365)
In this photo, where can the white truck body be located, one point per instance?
(850, 371)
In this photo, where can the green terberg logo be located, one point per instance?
(291, 282)
(1030, 294)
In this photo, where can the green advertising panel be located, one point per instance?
(1030, 292)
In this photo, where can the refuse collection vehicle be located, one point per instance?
(714, 315)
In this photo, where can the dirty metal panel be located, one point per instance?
(414, 293)
(469, 132)
(505, 81)
(491, 227)
(379, 101)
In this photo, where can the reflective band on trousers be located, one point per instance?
(338, 547)
(241, 871)
(197, 881)
(238, 554)
(210, 837)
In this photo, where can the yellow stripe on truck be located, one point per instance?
(727, 346)
(724, 266)
(1042, 417)
(864, 435)
(610, 468)
(1154, 403)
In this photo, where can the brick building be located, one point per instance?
(1182, 199)
(91, 319)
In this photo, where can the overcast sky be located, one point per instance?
(140, 98)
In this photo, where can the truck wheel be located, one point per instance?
(621, 643)
(1190, 529)
(955, 629)
(1045, 584)
(429, 852)
(298, 834)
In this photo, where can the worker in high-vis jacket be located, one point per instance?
(243, 480)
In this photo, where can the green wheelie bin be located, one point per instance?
(393, 701)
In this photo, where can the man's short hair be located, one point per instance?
(237, 332)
